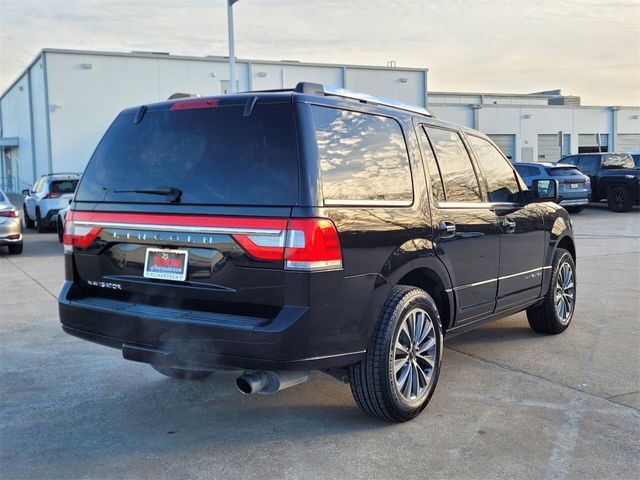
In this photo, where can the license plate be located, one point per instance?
(575, 185)
(166, 264)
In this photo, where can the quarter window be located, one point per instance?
(362, 157)
(458, 176)
(501, 179)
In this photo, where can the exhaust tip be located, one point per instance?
(251, 383)
(243, 385)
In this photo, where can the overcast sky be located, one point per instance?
(589, 48)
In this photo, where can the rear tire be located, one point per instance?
(39, 223)
(28, 223)
(554, 315)
(574, 210)
(619, 199)
(399, 373)
(181, 373)
(15, 249)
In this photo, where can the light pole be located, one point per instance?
(232, 53)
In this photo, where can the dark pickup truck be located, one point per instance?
(614, 177)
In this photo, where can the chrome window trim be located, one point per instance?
(181, 228)
(330, 202)
(479, 204)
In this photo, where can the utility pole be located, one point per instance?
(232, 53)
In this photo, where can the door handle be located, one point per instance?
(447, 229)
(508, 225)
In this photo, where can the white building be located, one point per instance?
(53, 115)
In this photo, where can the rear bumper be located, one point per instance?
(11, 229)
(202, 340)
(573, 202)
(51, 216)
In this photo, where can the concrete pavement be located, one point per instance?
(509, 404)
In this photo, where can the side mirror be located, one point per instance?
(546, 190)
(26, 192)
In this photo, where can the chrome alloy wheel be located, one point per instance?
(565, 293)
(415, 355)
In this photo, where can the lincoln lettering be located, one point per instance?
(159, 237)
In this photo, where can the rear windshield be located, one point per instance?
(211, 155)
(564, 172)
(63, 186)
(617, 160)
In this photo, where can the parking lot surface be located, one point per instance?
(509, 403)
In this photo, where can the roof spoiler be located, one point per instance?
(309, 88)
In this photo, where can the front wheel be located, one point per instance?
(619, 199)
(398, 375)
(556, 311)
(181, 373)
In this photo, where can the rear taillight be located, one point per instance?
(77, 235)
(51, 195)
(9, 213)
(308, 244)
(312, 244)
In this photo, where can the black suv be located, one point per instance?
(614, 178)
(310, 229)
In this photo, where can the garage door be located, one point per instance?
(506, 143)
(548, 148)
(628, 142)
(588, 142)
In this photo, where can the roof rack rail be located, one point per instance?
(62, 173)
(329, 91)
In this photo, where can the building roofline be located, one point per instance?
(524, 105)
(220, 58)
(525, 95)
(22, 73)
(206, 58)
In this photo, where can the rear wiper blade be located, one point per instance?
(173, 194)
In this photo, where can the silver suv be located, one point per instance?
(48, 195)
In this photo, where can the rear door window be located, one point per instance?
(564, 172)
(363, 158)
(63, 186)
(214, 156)
(589, 163)
(501, 179)
(458, 175)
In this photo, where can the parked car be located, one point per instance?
(614, 178)
(636, 159)
(10, 225)
(310, 229)
(45, 199)
(575, 187)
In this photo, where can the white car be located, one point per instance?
(47, 197)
